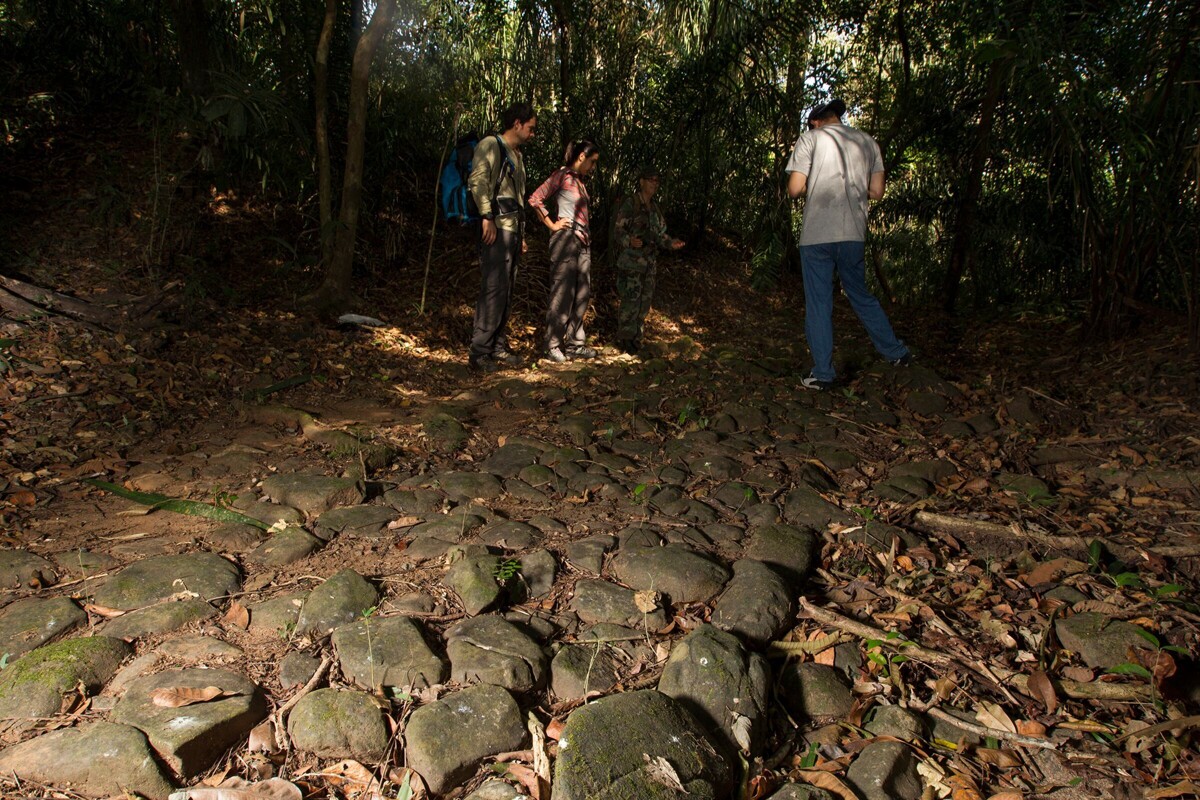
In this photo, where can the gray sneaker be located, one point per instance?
(556, 355)
(581, 351)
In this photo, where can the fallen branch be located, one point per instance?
(1079, 690)
(994, 733)
(1074, 545)
(280, 715)
(907, 647)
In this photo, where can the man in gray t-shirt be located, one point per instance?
(838, 169)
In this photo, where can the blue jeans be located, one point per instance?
(848, 259)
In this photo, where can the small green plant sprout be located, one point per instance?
(639, 493)
(369, 612)
(1130, 668)
(507, 569)
(6, 357)
(885, 660)
(867, 514)
(689, 413)
(810, 758)
(225, 499)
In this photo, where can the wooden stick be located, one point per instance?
(1078, 690)
(994, 733)
(907, 647)
(281, 737)
(1076, 545)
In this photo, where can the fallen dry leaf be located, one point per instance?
(993, 716)
(528, 778)
(554, 728)
(179, 696)
(1042, 689)
(827, 781)
(403, 522)
(237, 615)
(1004, 759)
(1178, 790)
(660, 771)
(963, 788)
(647, 601)
(102, 611)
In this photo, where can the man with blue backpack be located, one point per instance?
(497, 186)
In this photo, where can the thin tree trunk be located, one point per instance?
(337, 276)
(964, 229)
(566, 79)
(193, 32)
(324, 174)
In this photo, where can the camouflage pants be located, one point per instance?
(635, 286)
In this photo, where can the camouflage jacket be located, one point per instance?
(644, 220)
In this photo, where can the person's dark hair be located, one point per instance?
(517, 113)
(582, 147)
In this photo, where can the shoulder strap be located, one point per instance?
(506, 164)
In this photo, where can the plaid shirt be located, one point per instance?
(571, 200)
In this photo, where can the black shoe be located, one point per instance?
(628, 346)
(816, 384)
(581, 351)
(505, 356)
(556, 355)
(902, 361)
(483, 363)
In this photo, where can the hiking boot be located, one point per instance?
(556, 355)
(816, 384)
(483, 363)
(627, 346)
(581, 351)
(902, 361)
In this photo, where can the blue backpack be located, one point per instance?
(457, 203)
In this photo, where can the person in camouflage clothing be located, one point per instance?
(640, 232)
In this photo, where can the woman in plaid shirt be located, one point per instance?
(570, 251)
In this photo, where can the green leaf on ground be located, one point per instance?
(191, 507)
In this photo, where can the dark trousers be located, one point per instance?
(570, 290)
(498, 267)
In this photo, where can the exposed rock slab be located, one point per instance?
(158, 618)
(756, 604)
(34, 685)
(339, 600)
(684, 575)
(598, 601)
(388, 652)
(103, 759)
(1101, 642)
(156, 579)
(190, 738)
(444, 740)
(722, 684)
(313, 494)
(339, 724)
(492, 650)
(607, 747)
(21, 569)
(32, 622)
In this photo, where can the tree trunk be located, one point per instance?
(964, 228)
(193, 34)
(324, 174)
(566, 79)
(336, 288)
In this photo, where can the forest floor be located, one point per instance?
(1016, 480)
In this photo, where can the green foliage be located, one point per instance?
(507, 569)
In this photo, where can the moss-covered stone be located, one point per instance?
(32, 622)
(339, 724)
(608, 747)
(34, 685)
(339, 600)
(388, 652)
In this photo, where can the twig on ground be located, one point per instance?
(280, 715)
(994, 733)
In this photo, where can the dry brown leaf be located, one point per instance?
(237, 615)
(659, 770)
(102, 611)
(647, 600)
(963, 788)
(1006, 796)
(179, 696)
(403, 522)
(241, 789)
(352, 777)
(826, 657)
(554, 728)
(262, 738)
(528, 778)
(827, 781)
(992, 715)
(1178, 790)
(1054, 569)
(1042, 689)
(1004, 759)
(1028, 727)
(1080, 674)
